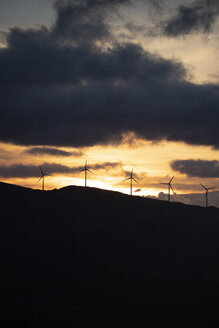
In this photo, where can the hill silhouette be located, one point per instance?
(77, 257)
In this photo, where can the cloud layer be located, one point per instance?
(52, 152)
(84, 21)
(60, 87)
(197, 168)
(198, 16)
(30, 171)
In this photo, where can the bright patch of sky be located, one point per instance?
(25, 13)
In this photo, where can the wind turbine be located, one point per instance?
(131, 178)
(169, 187)
(85, 172)
(42, 177)
(206, 193)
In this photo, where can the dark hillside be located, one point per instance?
(82, 258)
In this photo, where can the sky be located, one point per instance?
(123, 84)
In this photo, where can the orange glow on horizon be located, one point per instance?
(150, 162)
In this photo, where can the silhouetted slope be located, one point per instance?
(79, 257)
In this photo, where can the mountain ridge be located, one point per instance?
(89, 258)
(7, 187)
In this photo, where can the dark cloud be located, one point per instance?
(88, 21)
(77, 94)
(105, 166)
(156, 3)
(198, 16)
(19, 171)
(135, 175)
(28, 171)
(32, 60)
(101, 113)
(84, 21)
(197, 168)
(52, 152)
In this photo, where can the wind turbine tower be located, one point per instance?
(85, 170)
(42, 177)
(131, 178)
(169, 187)
(206, 193)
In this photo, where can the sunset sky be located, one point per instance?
(122, 84)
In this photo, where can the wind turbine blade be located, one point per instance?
(82, 170)
(41, 170)
(203, 186)
(126, 179)
(211, 188)
(89, 171)
(40, 179)
(135, 180)
(164, 183)
(171, 179)
(171, 188)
